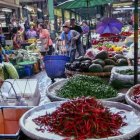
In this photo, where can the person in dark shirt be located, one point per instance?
(78, 42)
(75, 27)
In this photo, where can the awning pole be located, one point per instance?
(136, 42)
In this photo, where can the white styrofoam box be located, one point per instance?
(23, 87)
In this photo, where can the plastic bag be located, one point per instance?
(118, 80)
(130, 54)
(91, 53)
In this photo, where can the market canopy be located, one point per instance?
(74, 4)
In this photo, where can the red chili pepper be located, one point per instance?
(82, 118)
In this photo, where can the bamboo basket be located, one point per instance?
(100, 74)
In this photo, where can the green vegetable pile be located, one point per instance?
(127, 72)
(82, 85)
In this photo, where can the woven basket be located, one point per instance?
(128, 98)
(100, 74)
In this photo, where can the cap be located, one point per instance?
(73, 18)
(66, 24)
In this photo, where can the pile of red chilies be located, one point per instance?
(136, 95)
(82, 118)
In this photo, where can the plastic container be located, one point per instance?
(7, 121)
(36, 67)
(55, 65)
(28, 70)
(21, 71)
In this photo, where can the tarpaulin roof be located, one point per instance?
(74, 4)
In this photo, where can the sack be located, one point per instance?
(118, 80)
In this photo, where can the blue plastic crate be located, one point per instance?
(55, 65)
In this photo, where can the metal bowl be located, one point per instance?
(129, 131)
(52, 93)
(129, 100)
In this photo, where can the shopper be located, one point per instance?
(31, 33)
(69, 38)
(45, 39)
(78, 41)
(17, 38)
(85, 37)
(85, 27)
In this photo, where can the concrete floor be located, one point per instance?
(44, 81)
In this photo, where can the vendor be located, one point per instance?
(2, 53)
(31, 33)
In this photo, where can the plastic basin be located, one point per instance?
(55, 65)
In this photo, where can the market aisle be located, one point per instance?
(44, 81)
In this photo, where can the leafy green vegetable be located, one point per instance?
(127, 72)
(86, 86)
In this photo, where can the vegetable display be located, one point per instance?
(101, 63)
(82, 85)
(127, 72)
(22, 55)
(81, 118)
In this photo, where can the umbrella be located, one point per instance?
(74, 4)
(109, 25)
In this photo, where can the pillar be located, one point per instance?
(70, 14)
(51, 11)
(63, 17)
(51, 18)
(39, 13)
